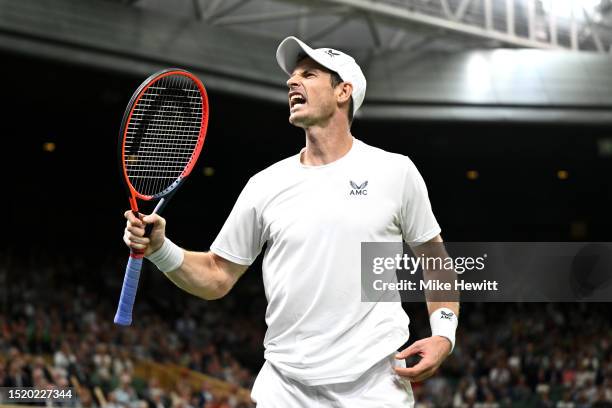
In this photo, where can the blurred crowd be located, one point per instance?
(56, 330)
(62, 309)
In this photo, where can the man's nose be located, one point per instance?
(292, 82)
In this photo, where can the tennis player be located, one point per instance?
(324, 347)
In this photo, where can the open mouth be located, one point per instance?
(296, 100)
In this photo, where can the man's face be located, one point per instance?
(312, 100)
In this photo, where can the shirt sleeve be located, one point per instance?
(240, 239)
(418, 222)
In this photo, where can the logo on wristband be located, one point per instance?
(445, 315)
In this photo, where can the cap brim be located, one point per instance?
(288, 51)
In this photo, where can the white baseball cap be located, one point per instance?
(344, 65)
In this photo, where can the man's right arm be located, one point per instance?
(203, 274)
(206, 275)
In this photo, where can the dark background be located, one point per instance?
(72, 197)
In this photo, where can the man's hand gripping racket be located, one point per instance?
(161, 137)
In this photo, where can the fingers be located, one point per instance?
(142, 220)
(137, 235)
(138, 231)
(134, 237)
(132, 219)
(139, 247)
(154, 219)
(423, 376)
(415, 370)
(426, 348)
(416, 373)
(134, 233)
(415, 348)
(135, 242)
(423, 369)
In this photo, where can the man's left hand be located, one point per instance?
(432, 350)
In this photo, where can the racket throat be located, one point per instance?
(133, 205)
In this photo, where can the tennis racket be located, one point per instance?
(161, 137)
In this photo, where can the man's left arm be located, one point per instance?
(443, 318)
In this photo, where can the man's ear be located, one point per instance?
(345, 92)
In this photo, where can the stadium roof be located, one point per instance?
(434, 59)
(373, 28)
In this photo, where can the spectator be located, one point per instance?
(124, 394)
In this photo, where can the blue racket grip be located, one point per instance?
(123, 316)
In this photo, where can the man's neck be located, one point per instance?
(326, 144)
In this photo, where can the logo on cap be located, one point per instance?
(331, 53)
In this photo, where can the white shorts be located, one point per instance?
(379, 387)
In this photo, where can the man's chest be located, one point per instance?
(356, 204)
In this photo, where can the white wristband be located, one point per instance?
(444, 323)
(168, 257)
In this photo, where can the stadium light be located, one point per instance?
(565, 8)
(478, 78)
(49, 147)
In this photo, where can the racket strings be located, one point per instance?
(163, 133)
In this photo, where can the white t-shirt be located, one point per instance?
(314, 219)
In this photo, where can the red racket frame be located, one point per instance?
(130, 283)
(133, 194)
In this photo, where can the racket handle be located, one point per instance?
(148, 229)
(123, 316)
(156, 210)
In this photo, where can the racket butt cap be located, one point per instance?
(123, 320)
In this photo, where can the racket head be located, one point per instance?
(162, 133)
